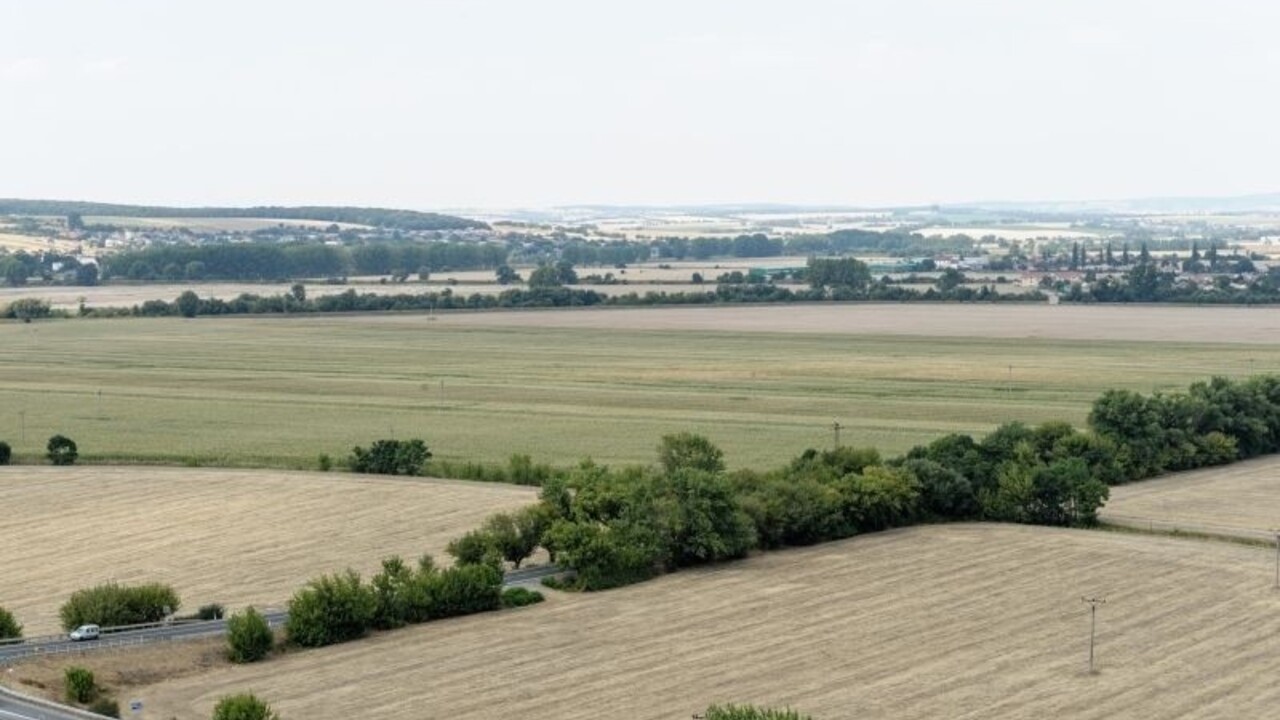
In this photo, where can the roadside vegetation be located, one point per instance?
(112, 605)
(10, 628)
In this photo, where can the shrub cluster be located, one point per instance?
(106, 707)
(750, 712)
(338, 608)
(519, 597)
(81, 687)
(519, 470)
(111, 604)
(249, 637)
(6, 453)
(9, 627)
(245, 706)
(390, 457)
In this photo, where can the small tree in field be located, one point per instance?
(80, 684)
(249, 637)
(9, 627)
(6, 453)
(62, 450)
(245, 706)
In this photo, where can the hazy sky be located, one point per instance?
(540, 102)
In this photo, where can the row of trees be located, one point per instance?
(338, 608)
(376, 217)
(60, 450)
(617, 527)
(263, 260)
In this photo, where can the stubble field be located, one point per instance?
(1240, 500)
(234, 537)
(764, 383)
(966, 621)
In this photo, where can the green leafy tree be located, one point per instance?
(477, 547)
(331, 609)
(545, 276)
(689, 451)
(880, 497)
(506, 275)
(950, 279)
(607, 555)
(6, 453)
(188, 304)
(849, 273)
(80, 685)
(706, 522)
(249, 637)
(14, 271)
(299, 292)
(9, 627)
(391, 457)
(517, 535)
(396, 590)
(62, 450)
(245, 706)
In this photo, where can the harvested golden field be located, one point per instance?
(959, 621)
(234, 537)
(1138, 323)
(1240, 500)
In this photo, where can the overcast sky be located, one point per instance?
(535, 103)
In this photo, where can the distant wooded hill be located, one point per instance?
(376, 217)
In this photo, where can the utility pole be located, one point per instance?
(1094, 602)
(1277, 585)
(835, 428)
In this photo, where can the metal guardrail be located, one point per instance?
(57, 708)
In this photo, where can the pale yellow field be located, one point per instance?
(31, 243)
(1240, 500)
(230, 536)
(962, 621)
(1012, 232)
(1252, 325)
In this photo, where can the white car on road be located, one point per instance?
(86, 632)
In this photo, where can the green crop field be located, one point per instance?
(281, 391)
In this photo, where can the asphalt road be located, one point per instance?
(18, 707)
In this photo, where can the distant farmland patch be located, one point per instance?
(764, 383)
